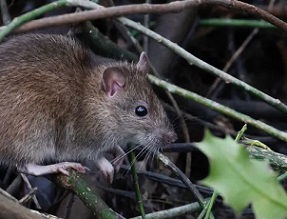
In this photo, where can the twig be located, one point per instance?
(210, 204)
(24, 177)
(203, 212)
(173, 212)
(227, 22)
(28, 196)
(176, 6)
(240, 133)
(183, 177)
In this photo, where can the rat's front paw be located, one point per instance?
(63, 167)
(106, 169)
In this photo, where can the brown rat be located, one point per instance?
(59, 101)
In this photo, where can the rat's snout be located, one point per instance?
(168, 137)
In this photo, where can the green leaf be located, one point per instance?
(241, 181)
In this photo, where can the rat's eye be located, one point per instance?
(141, 111)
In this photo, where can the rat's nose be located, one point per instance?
(169, 137)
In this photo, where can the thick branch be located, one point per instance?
(88, 196)
(11, 210)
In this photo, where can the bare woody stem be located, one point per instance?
(117, 11)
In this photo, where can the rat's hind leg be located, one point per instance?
(38, 170)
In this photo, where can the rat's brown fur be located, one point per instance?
(53, 106)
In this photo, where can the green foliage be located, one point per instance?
(241, 181)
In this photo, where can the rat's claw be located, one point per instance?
(63, 171)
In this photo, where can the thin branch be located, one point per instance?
(183, 177)
(227, 22)
(28, 184)
(173, 212)
(136, 184)
(28, 196)
(117, 11)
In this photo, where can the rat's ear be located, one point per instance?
(143, 65)
(113, 81)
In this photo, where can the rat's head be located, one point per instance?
(139, 115)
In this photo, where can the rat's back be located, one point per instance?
(41, 77)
